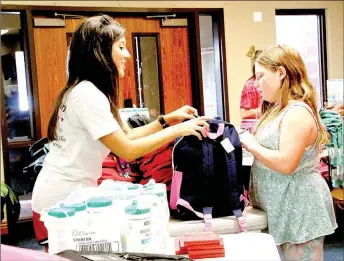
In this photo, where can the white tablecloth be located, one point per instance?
(245, 247)
(256, 220)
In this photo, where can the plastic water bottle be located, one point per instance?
(131, 192)
(112, 186)
(104, 224)
(138, 234)
(99, 205)
(59, 223)
(160, 215)
(158, 189)
(79, 208)
(79, 228)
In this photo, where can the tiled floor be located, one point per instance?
(334, 246)
(333, 250)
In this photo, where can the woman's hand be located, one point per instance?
(196, 127)
(184, 113)
(248, 141)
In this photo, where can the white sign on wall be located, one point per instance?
(128, 112)
(335, 91)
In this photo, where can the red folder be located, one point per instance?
(200, 245)
(199, 239)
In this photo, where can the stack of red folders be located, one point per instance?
(200, 245)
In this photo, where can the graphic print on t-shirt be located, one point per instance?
(60, 139)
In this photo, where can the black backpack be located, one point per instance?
(137, 120)
(206, 180)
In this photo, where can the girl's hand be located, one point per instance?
(248, 141)
(196, 127)
(184, 113)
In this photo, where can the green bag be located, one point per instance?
(10, 198)
(333, 123)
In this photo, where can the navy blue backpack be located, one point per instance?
(206, 180)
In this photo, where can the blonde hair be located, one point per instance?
(295, 85)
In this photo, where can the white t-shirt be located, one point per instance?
(75, 158)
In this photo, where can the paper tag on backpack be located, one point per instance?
(227, 145)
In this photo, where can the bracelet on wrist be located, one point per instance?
(163, 122)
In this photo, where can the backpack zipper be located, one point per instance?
(175, 145)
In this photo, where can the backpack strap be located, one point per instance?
(205, 180)
(177, 178)
(234, 186)
(208, 174)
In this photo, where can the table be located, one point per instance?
(338, 194)
(338, 198)
(256, 221)
(245, 246)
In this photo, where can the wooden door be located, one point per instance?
(51, 51)
(51, 58)
(175, 61)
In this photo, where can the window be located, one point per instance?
(304, 31)
(14, 78)
(208, 62)
(147, 70)
(16, 101)
(213, 61)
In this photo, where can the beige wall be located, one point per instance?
(241, 32)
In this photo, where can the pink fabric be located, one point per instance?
(323, 169)
(175, 188)
(10, 253)
(242, 220)
(219, 132)
(242, 224)
(187, 205)
(245, 199)
(208, 222)
(248, 124)
(250, 96)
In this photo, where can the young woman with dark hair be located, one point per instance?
(85, 124)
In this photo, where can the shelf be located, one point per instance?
(20, 144)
